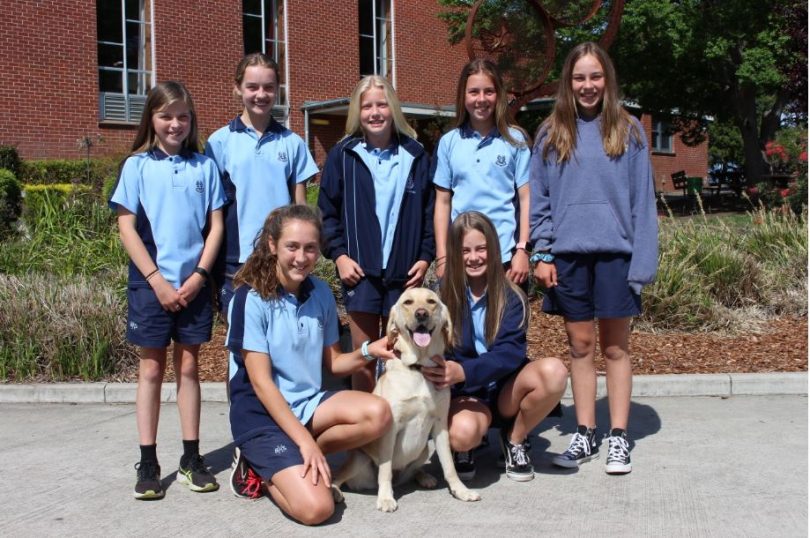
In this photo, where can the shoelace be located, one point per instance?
(146, 469)
(579, 443)
(251, 485)
(197, 464)
(617, 448)
(518, 453)
(464, 457)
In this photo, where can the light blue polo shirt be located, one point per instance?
(293, 331)
(478, 311)
(171, 196)
(389, 186)
(257, 173)
(484, 175)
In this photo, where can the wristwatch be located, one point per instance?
(364, 351)
(545, 257)
(523, 245)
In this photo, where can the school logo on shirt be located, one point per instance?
(282, 156)
(133, 325)
(199, 186)
(501, 160)
(280, 449)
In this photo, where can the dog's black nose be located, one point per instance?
(421, 315)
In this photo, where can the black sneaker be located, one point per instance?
(196, 475)
(465, 465)
(583, 447)
(245, 483)
(518, 464)
(148, 486)
(618, 457)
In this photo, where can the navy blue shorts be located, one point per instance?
(226, 289)
(271, 450)
(371, 296)
(148, 325)
(592, 286)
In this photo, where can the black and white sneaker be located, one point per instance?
(583, 447)
(516, 457)
(618, 457)
(465, 465)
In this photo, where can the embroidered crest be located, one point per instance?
(133, 325)
(282, 156)
(199, 186)
(410, 188)
(501, 160)
(280, 449)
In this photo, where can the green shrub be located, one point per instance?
(62, 328)
(10, 202)
(52, 171)
(10, 159)
(312, 194)
(64, 234)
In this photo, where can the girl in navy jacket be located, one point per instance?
(492, 380)
(376, 199)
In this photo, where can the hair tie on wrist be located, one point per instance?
(150, 275)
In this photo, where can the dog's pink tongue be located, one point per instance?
(421, 339)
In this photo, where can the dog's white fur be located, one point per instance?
(418, 408)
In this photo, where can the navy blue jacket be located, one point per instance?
(350, 225)
(505, 356)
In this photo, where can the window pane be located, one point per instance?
(133, 8)
(110, 55)
(110, 81)
(108, 21)
(252, 28)
(365, 16)
(253, 7)
(134, 46)
(138, 83)
(269, 20)
(366, 55)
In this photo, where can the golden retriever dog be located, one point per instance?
(421, 327)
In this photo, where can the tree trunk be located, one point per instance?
(746, 120)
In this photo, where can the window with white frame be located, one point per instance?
(662, 137)
(125, 70)
(376, 38)
(263, 29)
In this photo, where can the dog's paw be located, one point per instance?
(337, 495)
(425, 479)
(386, 504)
(465, 494)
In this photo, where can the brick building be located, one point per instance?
(78, 68)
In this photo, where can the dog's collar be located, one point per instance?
(416, 366)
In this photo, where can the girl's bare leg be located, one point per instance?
(350, 419)
(299, 498)
(582, 343)
(468, 422)
(614, 336)
(147, 395)
(188, 389)
(532, 394)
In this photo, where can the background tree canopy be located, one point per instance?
(740, 63)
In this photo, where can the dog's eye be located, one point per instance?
(431, 301)
(408, 301)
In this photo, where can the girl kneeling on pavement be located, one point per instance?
(282, 329)
(492, 381)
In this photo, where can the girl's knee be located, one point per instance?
(313, 511)
(151, 372)
(615, 353)
(582, 346)
(465, 434)
(554, 374)
(380, 416)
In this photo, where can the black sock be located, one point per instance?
(149, 453)
(584, 430)
(617, 432)
(190, 448)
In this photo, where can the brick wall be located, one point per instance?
(692, 160)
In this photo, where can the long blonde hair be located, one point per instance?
(353, 116)
(454, 284)
(502, 116)
(560, 129)
(159, 97)
(259, 271)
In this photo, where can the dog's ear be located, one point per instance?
(447, 327)
(391, 331)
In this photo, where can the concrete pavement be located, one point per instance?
(703, 466)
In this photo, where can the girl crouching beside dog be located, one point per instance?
(493, 382)
(282, 327)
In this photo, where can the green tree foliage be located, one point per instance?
(730, 59)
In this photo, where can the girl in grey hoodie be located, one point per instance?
(594, 228)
